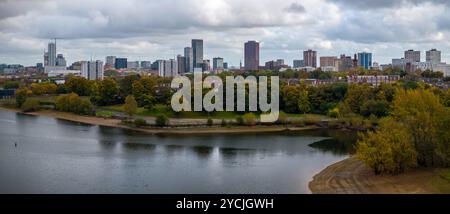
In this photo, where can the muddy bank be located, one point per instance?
(351, 176)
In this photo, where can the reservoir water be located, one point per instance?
(57, 156)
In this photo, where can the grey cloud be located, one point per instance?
(11, 8)
(119, 19)
(295, 8)
(380, 4)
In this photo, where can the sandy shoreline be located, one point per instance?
(115, 123)
(351, 176)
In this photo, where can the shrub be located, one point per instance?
(249, 119)
(139, 122)
(30, 105)
(161, 120)
(73, 103)
(209, 122)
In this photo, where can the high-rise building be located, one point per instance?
(51, 54)
(197, 53)
(181, 60)
(133, 65)
(218, 63)
(188, 57)
(399, 63)
(146, 64)
(92, 70)
(355, 61)
(121, 63)
(310, 58)
(345, 63)
(110, 61)
(39, 65)
(155, 65)
(251, 55)
(46, 58)
(365, 60)
(280, 62)
(60, 60)
(225, 65)
(433, 56)
(206, 65)
(298, 63)
(328, 61)
(167, 68)
(412, 56)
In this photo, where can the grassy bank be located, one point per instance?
(353, 177)
(110, 122)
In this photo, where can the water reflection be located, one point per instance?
(58, 156)
(340, 143)
(138, 147)
(203, 152)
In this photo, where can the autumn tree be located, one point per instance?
(304, 106)
(130, 106)
(126, 85)
(428, 122)
(357, 95)
(21, 95)
(388, 150)
(106, 92)
(290, 96)
(144, 91)
(78, 85)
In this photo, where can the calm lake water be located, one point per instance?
(57, 156)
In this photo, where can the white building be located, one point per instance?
(329, 68)
(60, 60)
(376, 66)
(92, 70)
(110, 61)
(167, 68)
(55, 69)
(422, 66)
(373, 80)
(307, 69)
(444, 68)
(63, 73)
(433, 56)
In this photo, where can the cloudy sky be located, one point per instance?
(160, 29)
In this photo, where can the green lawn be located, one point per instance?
(167, 110)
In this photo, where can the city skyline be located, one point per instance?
(284, 29)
